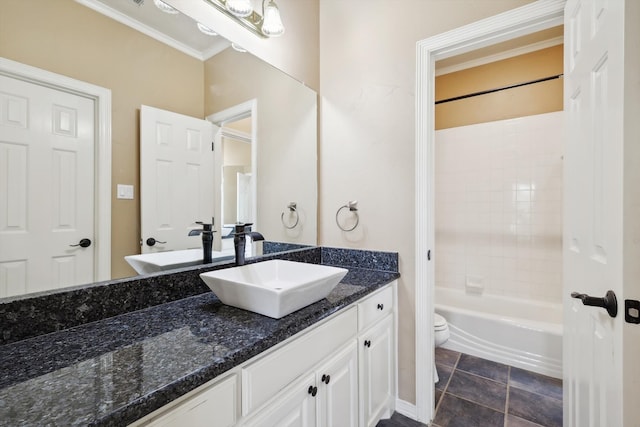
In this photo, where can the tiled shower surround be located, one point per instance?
(498, 210)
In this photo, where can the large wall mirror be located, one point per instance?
(199, 77)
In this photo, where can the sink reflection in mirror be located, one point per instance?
(273, 288)
(170, 260)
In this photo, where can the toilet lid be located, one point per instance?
(439, 321)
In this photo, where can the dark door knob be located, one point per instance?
(313, 390)
(367, 343)
(84, 243)
(326, 378)
(609, 302)
(151, 241)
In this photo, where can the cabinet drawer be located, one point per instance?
(264, 378)
(213, 407)
(375, 308)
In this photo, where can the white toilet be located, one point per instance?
(441, 335)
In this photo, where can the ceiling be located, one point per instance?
(176, 30)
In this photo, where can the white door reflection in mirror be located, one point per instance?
(176, 178)
(47, 139)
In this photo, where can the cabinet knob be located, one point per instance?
(326, 379)
(380, 306)
(313, 390)
(367, 343)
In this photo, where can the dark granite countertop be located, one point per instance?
(114, 371)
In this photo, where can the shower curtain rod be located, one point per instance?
(484, 92)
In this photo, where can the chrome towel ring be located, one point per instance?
(353, 208)
(292, 206)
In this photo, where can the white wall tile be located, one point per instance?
(499, 206)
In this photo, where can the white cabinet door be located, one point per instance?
(215, 407)
(337, 380)
(267, 376)
(294, 407)
(376, 372)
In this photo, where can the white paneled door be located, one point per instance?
(176, 178)
(46, 188)
(602, 219)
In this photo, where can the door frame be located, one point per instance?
(237, 112)
(518, 22)
(102, 167)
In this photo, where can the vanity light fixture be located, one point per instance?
(269, 24)
(165, 7)
(206, 30)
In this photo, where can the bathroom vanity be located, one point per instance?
(336, 372)
(194, 360)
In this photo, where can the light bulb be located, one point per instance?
(206, 30)
(165, 7)
(238, 48)
(272, 24)
(240, 8)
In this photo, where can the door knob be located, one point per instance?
(609, 302)
(151, 241)
(84, 243)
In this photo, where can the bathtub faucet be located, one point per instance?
(240, 234)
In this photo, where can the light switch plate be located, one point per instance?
(125, 191)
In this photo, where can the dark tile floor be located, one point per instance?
(475, 392)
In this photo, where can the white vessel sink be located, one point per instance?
(161, 261)
(273, 288)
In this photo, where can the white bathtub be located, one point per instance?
(513, 331)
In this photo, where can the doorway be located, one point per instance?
(525, 20)
(236, 169)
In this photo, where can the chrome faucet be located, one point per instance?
(207, 240)
(240, 234)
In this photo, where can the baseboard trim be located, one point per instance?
(407, 409)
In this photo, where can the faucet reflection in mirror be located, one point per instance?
(207, 239)
(269, 24)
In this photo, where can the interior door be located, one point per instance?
(176, 178)
(601, 211)
(46, 188)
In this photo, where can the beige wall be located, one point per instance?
(66, 38)
(539, 98)
(367, 88)
(286, 138)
